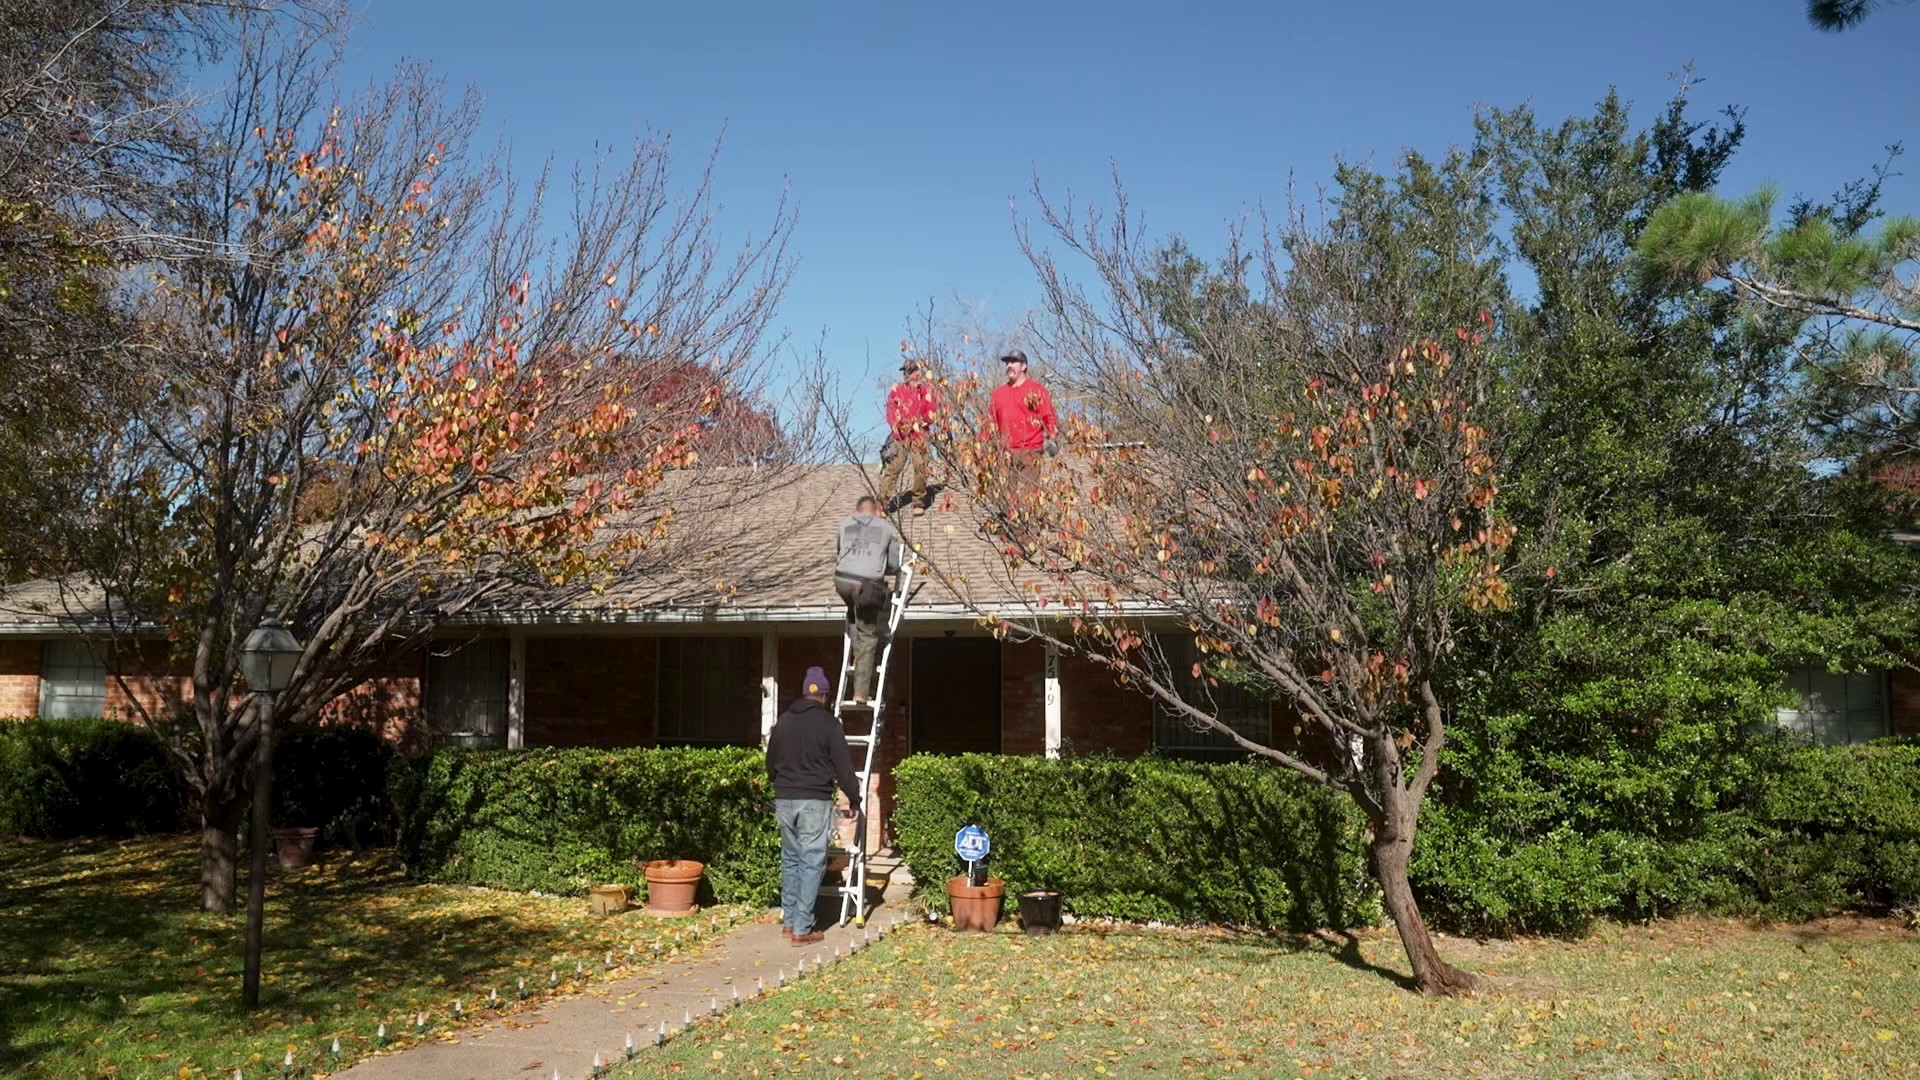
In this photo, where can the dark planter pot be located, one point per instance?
(294, 847)
(672, 885)
(975, 907)
(1040, 911)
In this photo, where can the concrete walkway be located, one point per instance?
(566, 1033)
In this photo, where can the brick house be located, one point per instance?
(709, 655)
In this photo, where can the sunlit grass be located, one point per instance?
(108, 968)
(1689, 998)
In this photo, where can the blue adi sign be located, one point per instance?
(971, 843)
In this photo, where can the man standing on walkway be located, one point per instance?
(869, 550)
(1023, 416)
(806, 756)
(910, 413)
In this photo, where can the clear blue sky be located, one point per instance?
(903, 129)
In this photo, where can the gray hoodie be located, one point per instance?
(869, 548)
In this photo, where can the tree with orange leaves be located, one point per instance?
(1296, 466)
(386, 391)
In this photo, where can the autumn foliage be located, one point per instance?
(395, 394)
(1301, 478)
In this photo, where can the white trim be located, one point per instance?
(516, 691)
(1053, 700)
(769, 685)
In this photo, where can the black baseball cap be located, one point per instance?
(1014, 357)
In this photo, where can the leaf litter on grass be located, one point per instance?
(1694, 997)
(107, 967)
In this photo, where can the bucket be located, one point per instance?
(1040, 911)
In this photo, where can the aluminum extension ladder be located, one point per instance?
(853, 887)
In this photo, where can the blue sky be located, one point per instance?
(903, 130)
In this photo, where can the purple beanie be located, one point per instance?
(816, 682)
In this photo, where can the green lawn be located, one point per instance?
(1691, 998)
(107, 968)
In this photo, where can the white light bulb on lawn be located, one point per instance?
(336, 1046)
(289, 1061)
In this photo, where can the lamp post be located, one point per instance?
(267, 661)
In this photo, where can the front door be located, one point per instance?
(956, 695)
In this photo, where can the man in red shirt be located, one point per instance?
(910, 411)
(1023, 415)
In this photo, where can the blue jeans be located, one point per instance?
(805, 828)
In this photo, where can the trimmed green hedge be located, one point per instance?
(1818, 829)
(64, 778)
(333, 778)
(559, 821)
(1840, 826)
(1242, 844)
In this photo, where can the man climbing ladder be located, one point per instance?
(868, 545)
(869, 550)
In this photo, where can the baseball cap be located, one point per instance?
(1014, 356)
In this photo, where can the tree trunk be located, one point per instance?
(1391, 852)
(219, 832)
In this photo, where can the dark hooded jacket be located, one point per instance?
(807, 753)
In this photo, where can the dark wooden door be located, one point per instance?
(956, 696)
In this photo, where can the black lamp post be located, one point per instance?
(267, 661)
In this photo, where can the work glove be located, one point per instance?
(1053, 447)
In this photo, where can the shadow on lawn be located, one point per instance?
(1342, 946)
(101, 933)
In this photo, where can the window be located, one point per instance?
(73, 681)
(1838, 708)
(467, 691)
(1241, 709)
(709, 694)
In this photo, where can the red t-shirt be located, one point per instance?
(910, 411)
(1024, 414)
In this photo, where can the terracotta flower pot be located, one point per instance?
(975, 907)
(672, 885)
(294, 846)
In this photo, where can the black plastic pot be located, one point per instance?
(1040, 911)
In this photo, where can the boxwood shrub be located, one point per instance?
(1816, 830)
(559, 821)
(333, 777)
(1150, 839)
(66, 778)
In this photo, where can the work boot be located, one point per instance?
(808, 938)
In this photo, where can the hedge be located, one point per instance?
(333, 778)
(66, 778)
(1819, 829)
(1151, 838)
(559, 821)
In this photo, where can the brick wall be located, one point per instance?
(19, 678)
(389, 700)
(591, 691)
(1023, 698)
(1903, 701)
(150, 679)
(1097, 713)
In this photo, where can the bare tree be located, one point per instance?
(1290, 459)
(96, 128)
(393, 391)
